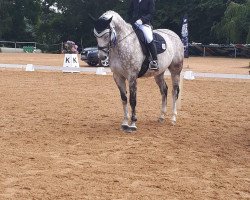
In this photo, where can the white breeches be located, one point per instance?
(147, 31)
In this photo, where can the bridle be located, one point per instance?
(108, 46)
(113, 39)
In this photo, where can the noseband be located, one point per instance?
(107, 47)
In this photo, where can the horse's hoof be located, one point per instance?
(161, 120)
(125, 127)
(173, 120)
(129, 130)
(173, 123)
(133, 128)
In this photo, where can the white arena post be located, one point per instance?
(100, 71)
(29, 68)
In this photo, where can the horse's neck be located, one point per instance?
(123, 29)
(125, 33)
(121, 26)
(126, 39)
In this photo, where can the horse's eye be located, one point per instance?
(106, 37)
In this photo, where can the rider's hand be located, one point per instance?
(139, 22)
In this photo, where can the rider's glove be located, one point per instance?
(139, 22)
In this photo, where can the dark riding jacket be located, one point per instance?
(143, 10)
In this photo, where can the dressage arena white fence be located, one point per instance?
(188, 75)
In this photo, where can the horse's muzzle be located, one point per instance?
(103, 53)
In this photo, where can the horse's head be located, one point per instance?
(105, 34)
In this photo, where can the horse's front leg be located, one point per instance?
(132, 100)
(164, 93)
(121, 84)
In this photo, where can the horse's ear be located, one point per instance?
(92, 18)
(110, 19)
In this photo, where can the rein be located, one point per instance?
(126, 36)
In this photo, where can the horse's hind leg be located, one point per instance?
(164, 93)
(175, 95)
(175, 71)
(121, 84)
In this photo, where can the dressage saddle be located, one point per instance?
(160, 44)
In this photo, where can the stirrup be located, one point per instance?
(153, 65)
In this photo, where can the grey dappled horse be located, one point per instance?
(117, 39)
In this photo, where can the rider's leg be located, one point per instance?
(153, 51)
(148, 33)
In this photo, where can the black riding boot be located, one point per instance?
(153, 65)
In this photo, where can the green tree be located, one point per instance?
(235, 25)
(20, 18)
(75, 23)
(5, 17)
(49, 29)
(202, 15)
(56, 21)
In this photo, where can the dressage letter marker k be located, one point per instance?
(67, 60)
(70, 61)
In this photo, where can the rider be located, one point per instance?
(141, 13)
